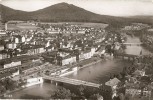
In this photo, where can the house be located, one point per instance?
(2, 33)
(35, 49)
(50, 56)
(134, 88)
(21, 52)
(68, 59)
(131, 79)
(11, 45)
(137, 92)
(113, 84)
(1, 47)
(4, 54)
(81, 32)
(139, 73)
(49, 48)
(101, 50)
(85, 55)
(12, 64)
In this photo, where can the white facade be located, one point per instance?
(81, 32)
(23, 39)
(2, 32)
(16, 73)
(93, 50)
(48, 44)
(86, 55)
(69, 60)
(41, 50)
(12, 64)
(11, 45)
(36, 51)
(1, 56)
(16, 40)
(34, 81)
(135, 92)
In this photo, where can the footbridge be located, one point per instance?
(132, 44)
(124, 56)
(70, 81)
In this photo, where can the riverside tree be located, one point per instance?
(62, 93)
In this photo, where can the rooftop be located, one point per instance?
(18, 58)
(112, 82)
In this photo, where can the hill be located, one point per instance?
(58, 12)
(64, 12)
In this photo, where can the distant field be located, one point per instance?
(95, 25)
(21, 26)
(27, 26)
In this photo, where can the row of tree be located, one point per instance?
(83, 92)
(8, 84)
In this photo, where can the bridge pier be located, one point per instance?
(129, 58)
(51, 81)
(56, 83)
(122, 57)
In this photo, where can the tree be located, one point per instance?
(10, 84)
(81, 89)
(62, 93)
(144, 82)
(2, 88)
(96, 97)
(121, 96)
(106, 92)
(21, 82)
(128, 97)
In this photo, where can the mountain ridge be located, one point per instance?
(64, 12)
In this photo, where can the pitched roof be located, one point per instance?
(138, 72)
(112, 82)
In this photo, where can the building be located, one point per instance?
(86, 54)
(35, 49)
(11, 45)
(2, 33)
(1, 47)
(68, 60)
(134, 92)
(139, 73)
(11, 64)
(4, 54)
(113, 84)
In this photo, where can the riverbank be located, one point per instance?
(148, 47)
(30, 82)
(83, 63)
(131, 49)
(7, 94)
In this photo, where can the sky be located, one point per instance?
(104, 7)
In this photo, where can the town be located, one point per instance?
(54, 50)
(76, 49)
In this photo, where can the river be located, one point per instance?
(98, 73)
(135, 50)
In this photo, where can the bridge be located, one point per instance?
(124, 56)
(132, 44)
(70, 81)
